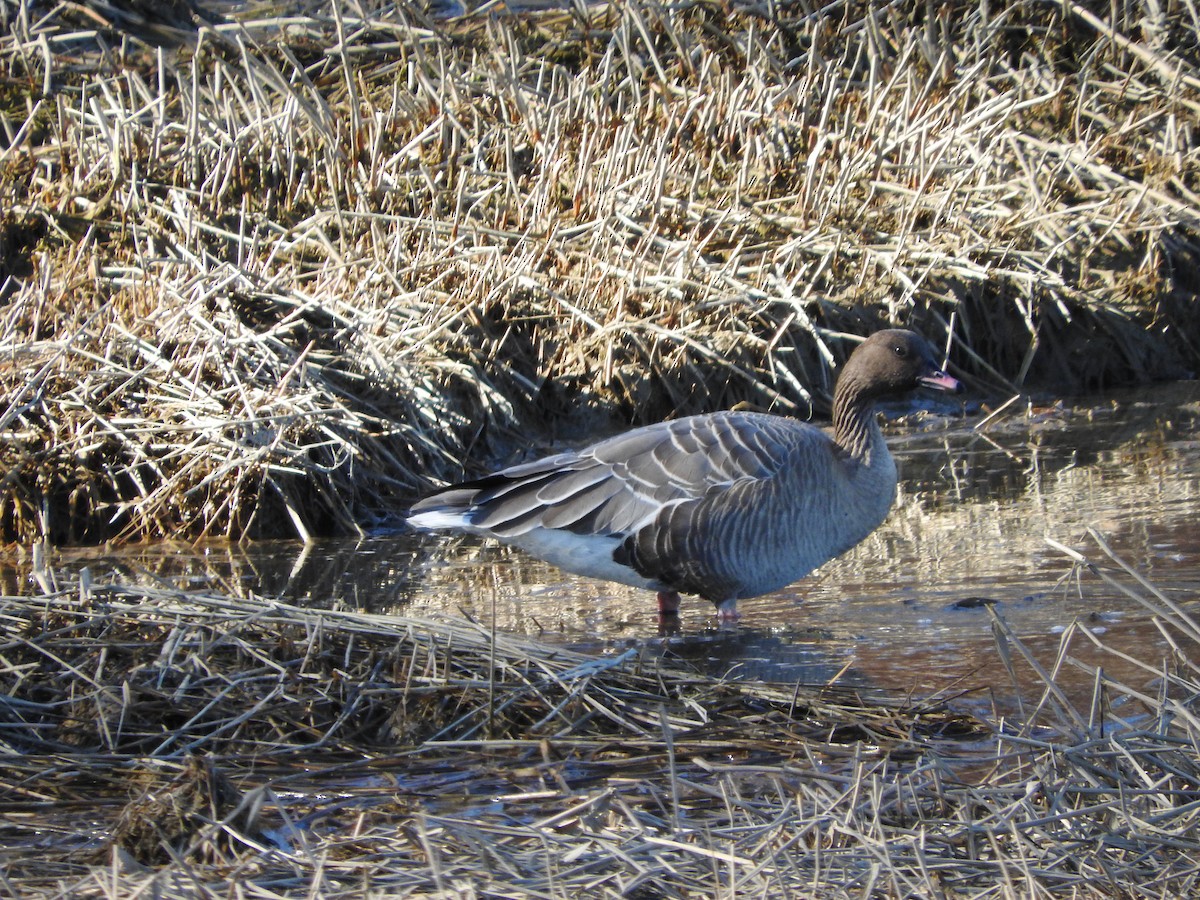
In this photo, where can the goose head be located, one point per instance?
(891, 363)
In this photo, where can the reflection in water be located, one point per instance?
(906, 610)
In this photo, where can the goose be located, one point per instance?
(725, 505)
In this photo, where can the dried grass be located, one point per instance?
(268, 275)
(166, 742)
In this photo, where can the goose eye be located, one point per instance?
(901, 351)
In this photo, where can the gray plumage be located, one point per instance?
(727, 505)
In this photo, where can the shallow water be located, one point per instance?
(908, 610)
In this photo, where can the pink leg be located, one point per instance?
(668, 603)
(727, 611)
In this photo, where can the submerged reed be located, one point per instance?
(266, 275)
(163, 741)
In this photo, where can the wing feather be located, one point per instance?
(575, 511)
(621, 484)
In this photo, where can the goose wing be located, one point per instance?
(621, 484)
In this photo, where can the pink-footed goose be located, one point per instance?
(726, 505)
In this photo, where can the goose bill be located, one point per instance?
(940, 381)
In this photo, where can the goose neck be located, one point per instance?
(855, 428)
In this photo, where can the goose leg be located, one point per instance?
(668, 603)
(727, 610)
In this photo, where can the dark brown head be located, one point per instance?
(894, 362)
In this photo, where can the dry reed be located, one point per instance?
(172, 742)
(267, 275)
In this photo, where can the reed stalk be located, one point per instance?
(165, 740)
(272, 274)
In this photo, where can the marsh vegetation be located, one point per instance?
(195, 743)
(267, 272)
(271, 274)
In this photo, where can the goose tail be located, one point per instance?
(450, 508)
